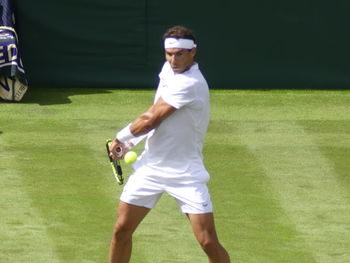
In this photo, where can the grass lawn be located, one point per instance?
(279, 162)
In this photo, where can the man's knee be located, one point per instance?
(121, 233)
(209, 246)
(208, 241)
(214, 250)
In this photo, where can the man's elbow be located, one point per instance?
(146, 123)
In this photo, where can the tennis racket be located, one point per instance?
(116, 167)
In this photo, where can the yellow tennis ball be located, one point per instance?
(130, 157)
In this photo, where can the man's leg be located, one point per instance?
(204, 229)
(129, 217)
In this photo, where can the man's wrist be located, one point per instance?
(124, 135)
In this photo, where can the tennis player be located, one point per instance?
(175, 126)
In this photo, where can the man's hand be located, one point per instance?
(117, 149)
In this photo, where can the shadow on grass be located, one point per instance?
(44, 96)
(51, 96)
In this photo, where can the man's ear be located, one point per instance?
(193, 52)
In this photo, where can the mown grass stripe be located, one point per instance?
(305, 183)
(24, 236)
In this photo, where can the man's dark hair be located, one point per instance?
(179, 32)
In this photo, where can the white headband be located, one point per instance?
(179, 43)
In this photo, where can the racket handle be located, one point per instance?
(119, 169)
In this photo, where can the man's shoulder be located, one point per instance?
(166, 69)
(190, 78)
(194, 77)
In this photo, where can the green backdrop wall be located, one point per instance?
(242, 44)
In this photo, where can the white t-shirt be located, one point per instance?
(174, 148)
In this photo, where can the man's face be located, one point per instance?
(180, 59)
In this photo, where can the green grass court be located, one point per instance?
(279, 162)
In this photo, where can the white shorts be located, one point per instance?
(146, 189)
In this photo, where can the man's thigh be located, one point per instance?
(130, 216)
(203, 226)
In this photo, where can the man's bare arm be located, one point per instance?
(146, 122)
(151, 118)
